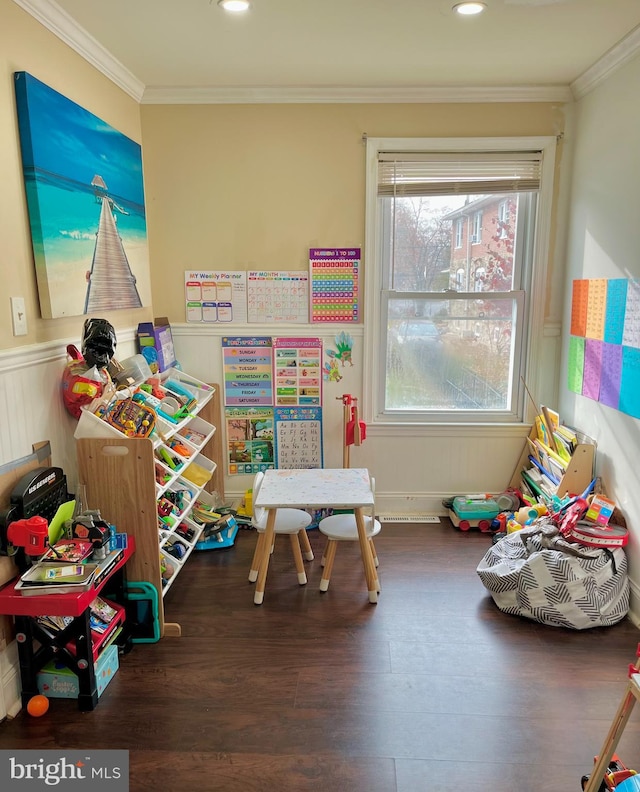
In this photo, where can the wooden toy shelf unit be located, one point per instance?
(132, 483)
(578, 470)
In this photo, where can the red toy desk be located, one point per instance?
(73, 645)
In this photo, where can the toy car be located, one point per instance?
(613, 779)
(464, 524)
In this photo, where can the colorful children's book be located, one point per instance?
(68, 551)
(55, 623)
(102, 610)
(97, 625)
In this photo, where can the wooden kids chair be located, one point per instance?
(292, 522)
(343, 528)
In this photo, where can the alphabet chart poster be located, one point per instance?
(335, 286)
(248, 371)
(297, 364)
(250, 439)
(278, 296)
(215, 296)
(298, 437)
(604, 346)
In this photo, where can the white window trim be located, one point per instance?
(374, 335)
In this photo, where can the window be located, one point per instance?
(476, 234)
(450, 324)
(459, 229)
(503, 219)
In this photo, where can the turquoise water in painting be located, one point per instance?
(68, 215)
(64, 223)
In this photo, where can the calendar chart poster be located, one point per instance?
(250, 439)
(335, 284)
(215, 296)
(297, 364)
(247, 364)
(298, 437)
(278, 296)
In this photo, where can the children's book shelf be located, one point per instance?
(579, 470)
(120, 476)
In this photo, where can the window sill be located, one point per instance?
(448, 429)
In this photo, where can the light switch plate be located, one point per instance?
(19, 316)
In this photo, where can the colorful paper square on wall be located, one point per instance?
(604, 347)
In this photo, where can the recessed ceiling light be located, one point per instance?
(469, 9)
(235, 6)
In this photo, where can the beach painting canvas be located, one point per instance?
(85, 198)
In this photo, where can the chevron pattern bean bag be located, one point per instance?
(537, 574)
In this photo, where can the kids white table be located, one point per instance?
(339, 488)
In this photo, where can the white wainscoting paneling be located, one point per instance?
(31, 406)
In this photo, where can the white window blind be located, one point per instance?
(467, 173)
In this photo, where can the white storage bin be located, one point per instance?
(90, 425)
(197, 432)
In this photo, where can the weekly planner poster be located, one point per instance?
(604, 346)
(215, 296)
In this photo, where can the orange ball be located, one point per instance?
(37, 706)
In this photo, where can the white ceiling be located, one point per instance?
(164, 50)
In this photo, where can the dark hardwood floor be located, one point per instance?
(431, 690)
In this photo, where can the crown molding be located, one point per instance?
(611, 61)
(67, 29)
(55, 19)
(336, 94)
(61, 24)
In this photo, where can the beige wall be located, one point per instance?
(256, 186)
(25, 45)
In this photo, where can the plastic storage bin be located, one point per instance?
(55, 680)
(475, 509)
(473, 512)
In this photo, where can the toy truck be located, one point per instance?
(468, 511)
